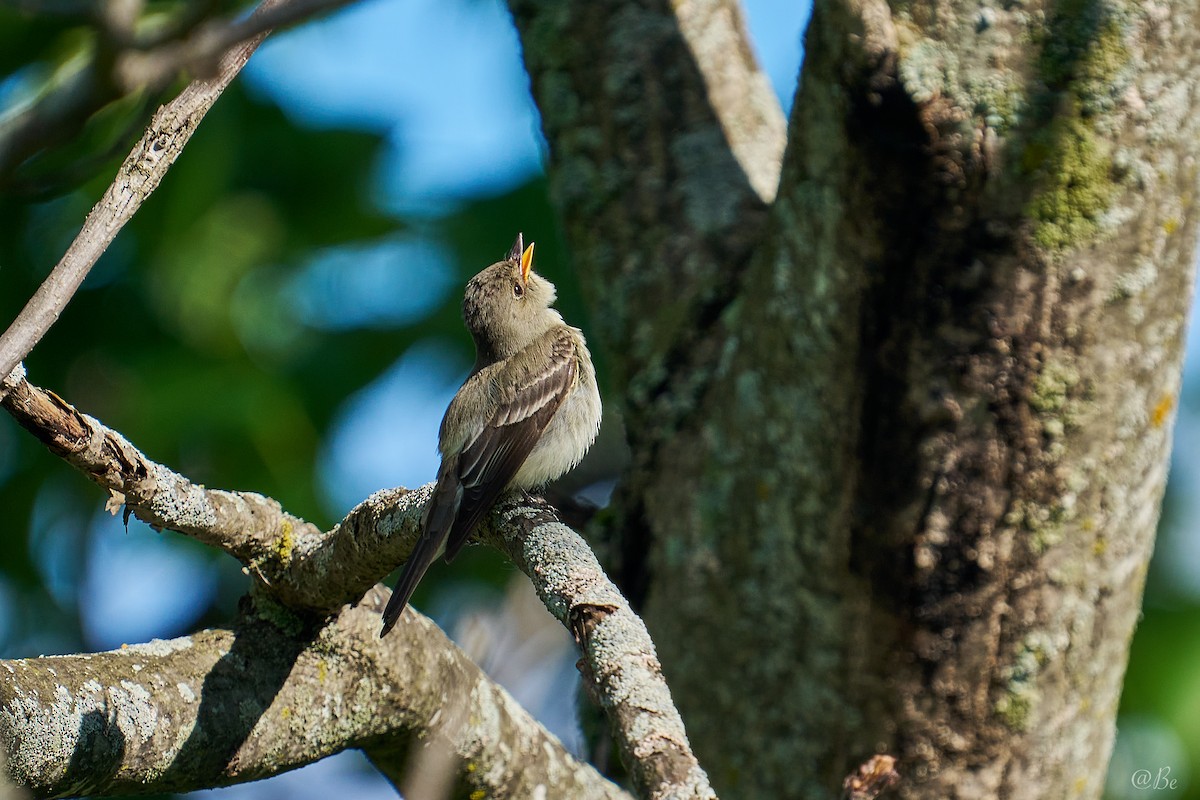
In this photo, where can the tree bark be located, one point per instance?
(302, 575)
(274, 692)
(896, 478)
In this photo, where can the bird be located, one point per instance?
(526, 414)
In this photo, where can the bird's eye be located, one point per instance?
(518, 290)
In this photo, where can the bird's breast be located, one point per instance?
(567, 437)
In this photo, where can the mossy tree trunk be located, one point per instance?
(900, 433)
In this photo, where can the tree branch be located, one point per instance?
(306, 569)
(272, 694)
(739, 91)
(303, 567)
(248, 526)
(620, 666)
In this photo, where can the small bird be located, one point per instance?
(525, 415)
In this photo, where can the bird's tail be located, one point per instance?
(435, 527)
(414, 570)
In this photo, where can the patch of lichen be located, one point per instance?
(1076, 187)
(1084, 53)
(929, 69)
(285, 544)
(1047, 526)
(999, 100)
(1059, 395)
(1081, 63)
(1015, 709)
(1020, 688)
(1100, 72)
(1052, 388)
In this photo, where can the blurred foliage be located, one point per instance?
(1158, 727)
(35, 42)
(64, 111)
(186, 338)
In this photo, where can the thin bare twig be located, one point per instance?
(137, 178)
(148, 162)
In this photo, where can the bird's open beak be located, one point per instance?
(526, 262)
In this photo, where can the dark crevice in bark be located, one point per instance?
(899, 301)
(935, 476)
(937, 308)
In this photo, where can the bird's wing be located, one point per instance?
(436, 522)
(528, 393)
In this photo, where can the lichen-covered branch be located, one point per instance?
(273, 693)
(299, 564)
(620, 667)
(248, 526)
(307, 570)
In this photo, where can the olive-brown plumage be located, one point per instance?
(525, 415)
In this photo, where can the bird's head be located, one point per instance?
(507, 305)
